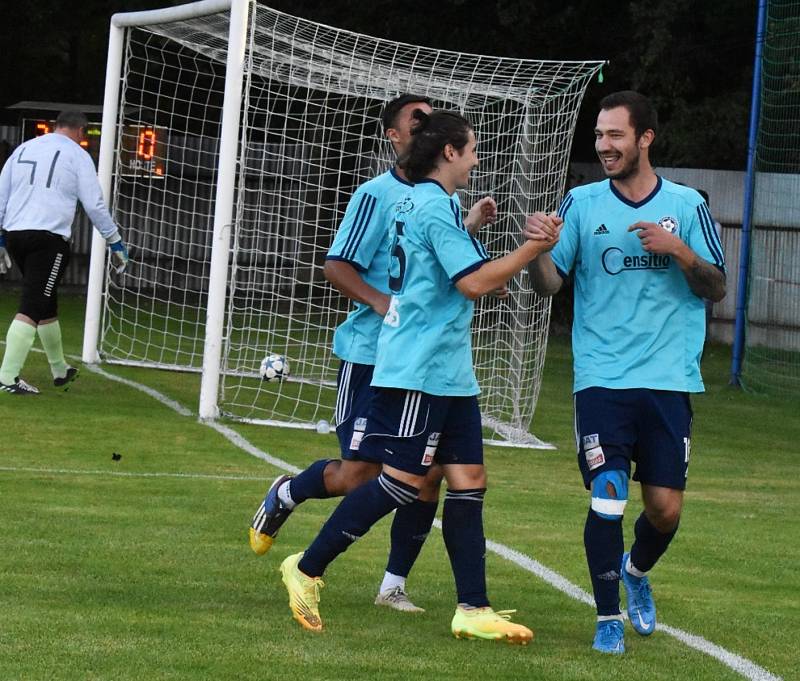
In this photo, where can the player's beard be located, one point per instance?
(628, 169)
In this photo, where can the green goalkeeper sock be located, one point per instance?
(50, 335)
(19, 341)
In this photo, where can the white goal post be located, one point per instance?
(234, 135)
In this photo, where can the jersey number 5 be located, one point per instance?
(398, 255)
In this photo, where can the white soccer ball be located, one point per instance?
(274, 368)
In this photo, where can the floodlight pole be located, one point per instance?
(749, 189)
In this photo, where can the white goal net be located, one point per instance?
(308, 134)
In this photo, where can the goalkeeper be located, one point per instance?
(357, 266)
(40, 185)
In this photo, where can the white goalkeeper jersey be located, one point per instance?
(41, 183)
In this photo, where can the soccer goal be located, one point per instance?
(234, 135)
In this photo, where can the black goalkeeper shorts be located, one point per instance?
(42, 257)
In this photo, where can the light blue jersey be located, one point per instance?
(637, 323)
(362, 240)
(425, 342)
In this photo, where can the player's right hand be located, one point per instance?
(119, 256)
(543, 227)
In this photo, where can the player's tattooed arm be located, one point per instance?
(706, 280)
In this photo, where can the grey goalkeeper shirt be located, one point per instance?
(41, 183)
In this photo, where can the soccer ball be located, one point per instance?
(274, 368)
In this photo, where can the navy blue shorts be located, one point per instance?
(652, 428)
(353, 397)
(409, 430)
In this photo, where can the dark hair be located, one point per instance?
(71, 119)
(642, 113)
(429, 138)
(390, 111)
(704, 194)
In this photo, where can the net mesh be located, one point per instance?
(310, 136)
(772, 352)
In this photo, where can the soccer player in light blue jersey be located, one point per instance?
(644, 255)
(40, 185)
(425, 409)
(357, 265)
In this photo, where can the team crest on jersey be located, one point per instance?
(404, 205)
(669, 223)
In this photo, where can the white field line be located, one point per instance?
(741, 665)
(130, 474)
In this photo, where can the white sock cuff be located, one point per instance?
(391, 581)
(285, 495)
(630, 567)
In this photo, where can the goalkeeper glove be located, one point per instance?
(5, 260)
(119, 256)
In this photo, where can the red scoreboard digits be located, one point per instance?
(141, 153)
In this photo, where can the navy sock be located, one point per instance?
(604, 548)
(410, 528)
(649, 545)
(310, 483)
(462, 528)
(352, 518)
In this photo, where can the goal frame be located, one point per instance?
(239, 13)
(226, 176)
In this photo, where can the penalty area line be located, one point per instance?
(737, 663)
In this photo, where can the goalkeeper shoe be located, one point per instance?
(63, 382)
(397, 599)
(268, 518)
(19, 387)
(487, 624)
(303, 593)
(609, 637)
(641, 608)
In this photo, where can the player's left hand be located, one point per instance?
(5, 260)
(501, 293)
(655, 239)
(484, 212)
(119, 256)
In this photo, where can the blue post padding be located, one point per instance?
(618, 479)
(747, 217)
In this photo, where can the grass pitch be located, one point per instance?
(138, 568)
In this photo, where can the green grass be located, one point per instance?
(146, 577)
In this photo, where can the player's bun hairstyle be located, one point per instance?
(429, 137)
(392, 108)
(71, 119)
(642, 112)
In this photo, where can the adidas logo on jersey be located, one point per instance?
(602, 229)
